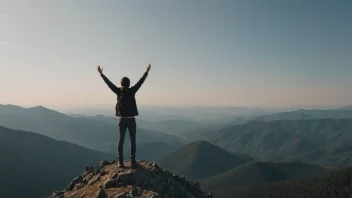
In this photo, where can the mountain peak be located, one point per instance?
(148, 180)
(202, 143)
(45, 111)
(40, 107)
(200, 159)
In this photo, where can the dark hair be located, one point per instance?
(125, 82)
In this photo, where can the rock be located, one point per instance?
(78, 179)
(87, 178)
(70, 186)
(95, 172)
(135, 191)
(104, 163)
(83, 195)
(196, 186)
(101, 194)
(179, 178)
(154, 195)
(73, 183)
(176, 177)
(147, 181)
(111, 183)
(94, 180)
(116, 175)
(102, 173)
(78, 186)
(58, 194)
(130, 178)
(89, 169)
(124, 195)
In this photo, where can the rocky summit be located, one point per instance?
(146, 180)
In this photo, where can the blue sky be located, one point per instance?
(227, 52)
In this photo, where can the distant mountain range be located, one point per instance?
(181, 113)
(288, 138)
(302, 114)
(164, 126)
(218, 170)
(273, 155)
(319, 141)
(48, 164)
(299, 137)
(91, 133)
(34, 165)
(207, 132)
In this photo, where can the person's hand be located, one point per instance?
(148, 68)
(100, 70)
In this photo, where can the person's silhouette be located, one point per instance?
(126, 110)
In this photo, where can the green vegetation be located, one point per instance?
(256, 172)
(337, 184)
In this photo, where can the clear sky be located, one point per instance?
(226, 52)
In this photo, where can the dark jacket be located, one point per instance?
(130, 91)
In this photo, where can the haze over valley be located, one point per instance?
(246, 148)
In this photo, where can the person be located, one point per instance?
(126, 110)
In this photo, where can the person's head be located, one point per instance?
(125, 82)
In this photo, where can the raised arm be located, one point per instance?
(138, 85)
(113, 87)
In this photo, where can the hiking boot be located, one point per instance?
(121, 165)
(134, 164)
(120, 160)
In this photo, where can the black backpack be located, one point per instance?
(123, 105)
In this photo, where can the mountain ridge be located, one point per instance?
(147, 180)
(89, 133)
(256, 172)
(41, 160)
(342, 113)
(282, 139)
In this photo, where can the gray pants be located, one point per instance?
(124, 124)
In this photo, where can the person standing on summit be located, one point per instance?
(126, 110)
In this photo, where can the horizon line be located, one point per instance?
(105, 106)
